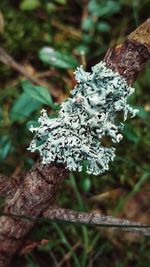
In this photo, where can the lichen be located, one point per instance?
(84, 120)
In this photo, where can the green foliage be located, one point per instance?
(105, 8)
(5, 145)
(23, 107)
(29, 5)
(31, 262)
(129, 133)
(57, 59)
(39, 93)
(78, 32)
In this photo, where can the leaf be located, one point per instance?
(88, 23)
(39, 93)
(29, 4)
(85, 184)
(130, 134)
(5, 146)
(82, 49)
(61, 2)
(103, 27)
(105, 8)
(57, 59)
(143, 114)
(23, 107)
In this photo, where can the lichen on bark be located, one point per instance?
(84, 119)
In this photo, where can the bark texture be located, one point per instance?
(8, 186)
(94, 219)
(130, 57)
(36, 191)
(32, 197)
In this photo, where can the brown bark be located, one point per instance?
(55, 213)
(130, 57)
(34, 195)
(95, 219)
(8, 186)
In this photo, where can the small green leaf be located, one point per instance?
(5, 145)
(50, 8)
(23, 107)
(105, 8)
(143, 114)
(88, 23)
(57, 59)
(27, 5)
(103, 27)
(86, 184)
(82, 49)
(129, 133)
(61, 2)
(38, 92)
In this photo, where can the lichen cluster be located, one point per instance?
(84, 119)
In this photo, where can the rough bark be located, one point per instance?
(130, 57)
(55, 213)
(32, 197)
(94, 219)
(35, 193)
(8, 186)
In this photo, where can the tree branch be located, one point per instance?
(130, 57)
(94, 219)
(35, 194)
(58, 214)
(32, 197)
(8, 186)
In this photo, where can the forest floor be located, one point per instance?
(78, 32)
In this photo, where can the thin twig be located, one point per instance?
(87, 218)
(93, 219)
(68, 255)
(6, 59)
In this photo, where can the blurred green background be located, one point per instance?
(49, 39)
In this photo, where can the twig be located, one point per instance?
(6, 59)
(68, 255)
(93, 219)
(129, 58)
(58, 214)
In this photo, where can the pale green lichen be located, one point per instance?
(76, 134)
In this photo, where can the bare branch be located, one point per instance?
(94, 219)
(58, 214)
